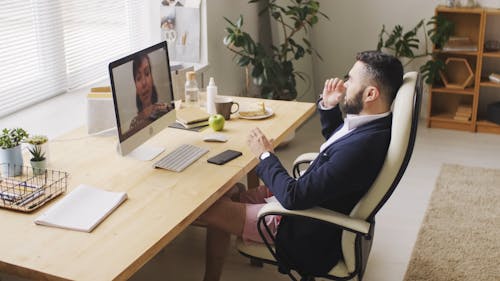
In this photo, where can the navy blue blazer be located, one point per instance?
(336, 180)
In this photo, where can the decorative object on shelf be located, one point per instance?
(492, 46)
(493, 112)
(471, 4)
(457, 73)
(10, 151)
(450, 3)
(494, 77)
(273, 69)
(405, 44)
(459, 44)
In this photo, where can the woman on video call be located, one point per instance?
(146, 97)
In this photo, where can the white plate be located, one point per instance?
(269, 113)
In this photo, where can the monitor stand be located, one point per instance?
(145, 152)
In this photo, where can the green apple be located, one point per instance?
(216, 122)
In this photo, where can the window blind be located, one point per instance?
(49, 47)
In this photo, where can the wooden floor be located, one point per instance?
(397, 223)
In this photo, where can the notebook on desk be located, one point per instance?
(190, 115)
(82, 209)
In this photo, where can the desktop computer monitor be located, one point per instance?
(143, 99)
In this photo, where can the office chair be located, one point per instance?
(358, 227)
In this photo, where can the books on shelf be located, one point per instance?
(461, 118)
(464, 109)
(82, 209)
(463, 113)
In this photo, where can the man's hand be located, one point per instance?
(333, 92)
(258, 142)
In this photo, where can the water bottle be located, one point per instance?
(191, 91)
(211, 94)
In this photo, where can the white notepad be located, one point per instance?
(82, 209)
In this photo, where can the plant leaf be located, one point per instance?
(441, 31)
(239, 22)
(431, 69)
(230, 22)
(243, 61)
(228, 39)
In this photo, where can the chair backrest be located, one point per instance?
(405, 110)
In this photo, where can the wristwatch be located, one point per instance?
(264, 155)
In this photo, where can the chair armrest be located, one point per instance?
(304, 158)
(343, 221)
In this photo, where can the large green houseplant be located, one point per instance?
(272, 68)
(407, 44)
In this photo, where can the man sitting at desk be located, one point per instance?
(348, 163)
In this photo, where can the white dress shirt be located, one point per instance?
(351, 122)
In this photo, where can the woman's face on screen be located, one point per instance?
(144, 82)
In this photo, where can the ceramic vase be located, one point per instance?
(11, 160)
(39, 167)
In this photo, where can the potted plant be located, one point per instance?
(11, 158)
(273, 70)
(406, 44)
(38, 161)
(38, 153)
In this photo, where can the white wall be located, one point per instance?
(354, 26)
(229, 77)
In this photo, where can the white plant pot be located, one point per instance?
(11, 160)
(39, 167)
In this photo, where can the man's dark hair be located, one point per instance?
(385, 70)
(135, 68)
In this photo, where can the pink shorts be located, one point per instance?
(254, 199)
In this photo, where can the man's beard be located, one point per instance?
(354, 105)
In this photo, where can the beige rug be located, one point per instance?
(460, 236)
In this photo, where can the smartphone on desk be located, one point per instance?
(224, 157)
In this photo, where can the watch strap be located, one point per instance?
(264, 155)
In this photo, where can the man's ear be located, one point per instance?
(371, 93)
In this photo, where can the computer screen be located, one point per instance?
(141, 84)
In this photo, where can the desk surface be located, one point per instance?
(160, 203)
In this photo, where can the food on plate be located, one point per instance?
(252, 109)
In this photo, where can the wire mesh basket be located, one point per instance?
(25, 188)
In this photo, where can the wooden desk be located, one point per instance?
(161, 203)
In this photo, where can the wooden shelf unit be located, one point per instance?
(443, 101)
(487, 83)
(466, 91)
(491, 54)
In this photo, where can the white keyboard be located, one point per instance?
(181, 157)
